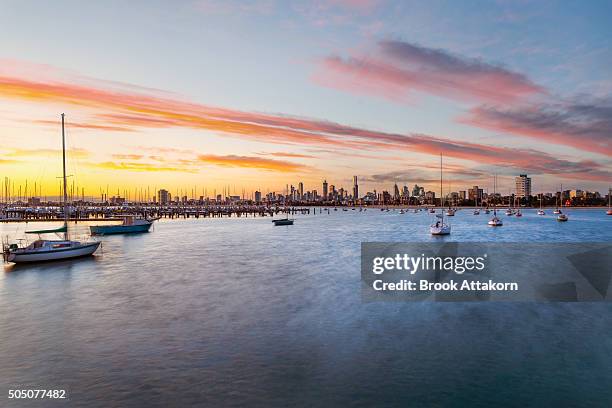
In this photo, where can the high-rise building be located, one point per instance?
(475, 194)
(325, 189)
(355, 188)
(300, 191)
(396, 193)
(258, 196)
(523, 186)
(163, 197)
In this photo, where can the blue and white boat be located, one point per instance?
(131, 224)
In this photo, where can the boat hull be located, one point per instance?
(445, 230)
(54, 255)
(119, 229)
(282, 222)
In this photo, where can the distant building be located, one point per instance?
(34, 201)
(462, 195)
(325, 189)
(396, 193)
(117, 200)
(475, 194)
(355, 188)
(163, 197)
(523, 186)
(258, 196)
(300, 191)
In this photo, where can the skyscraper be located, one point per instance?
(355, 188)
(523, 186)
(301, 191)
(325, 189)
(163, 197)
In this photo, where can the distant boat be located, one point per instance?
(440, 227)
(51, 250)
(495, 221)
(557, 210)
(432, 210)
(401, 211)
(562, 217)
(130, 224)
(283, 221)
(450, 212)
(541, 211)
(518, 213)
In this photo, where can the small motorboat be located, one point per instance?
(131, 224)
(562, 217)
(432, 210)
(476, 212)
(283, 221)
(541, 212)
(450, 212)
(509, 212)
(518, 214)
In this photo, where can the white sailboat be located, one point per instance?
(47, 249)
(557, 210)
(440, 227)
(495, 221)
(541, 211)
(562, 217)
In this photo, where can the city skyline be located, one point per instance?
(305, 92)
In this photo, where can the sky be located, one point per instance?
(205, 96)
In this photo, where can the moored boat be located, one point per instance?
(130, 224)
(46, 249)
(283, 221)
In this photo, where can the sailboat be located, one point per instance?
(48, 249)
(609, 212)
(541, 211)
(561, 217)
(440, 227)
(495, 221)
(476, 209)
(557, 210)
(518, 211)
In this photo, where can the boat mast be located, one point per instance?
(441, 192)
(64, 176)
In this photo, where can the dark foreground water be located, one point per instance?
(225, 312)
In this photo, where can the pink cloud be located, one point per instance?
(396, 70)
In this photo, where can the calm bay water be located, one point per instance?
(236, 311)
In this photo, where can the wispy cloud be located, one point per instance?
(35, 153)
(585, 126)
(140, 166)
(396, 70)
(287, 154)
(90, 126)
(252, 162)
